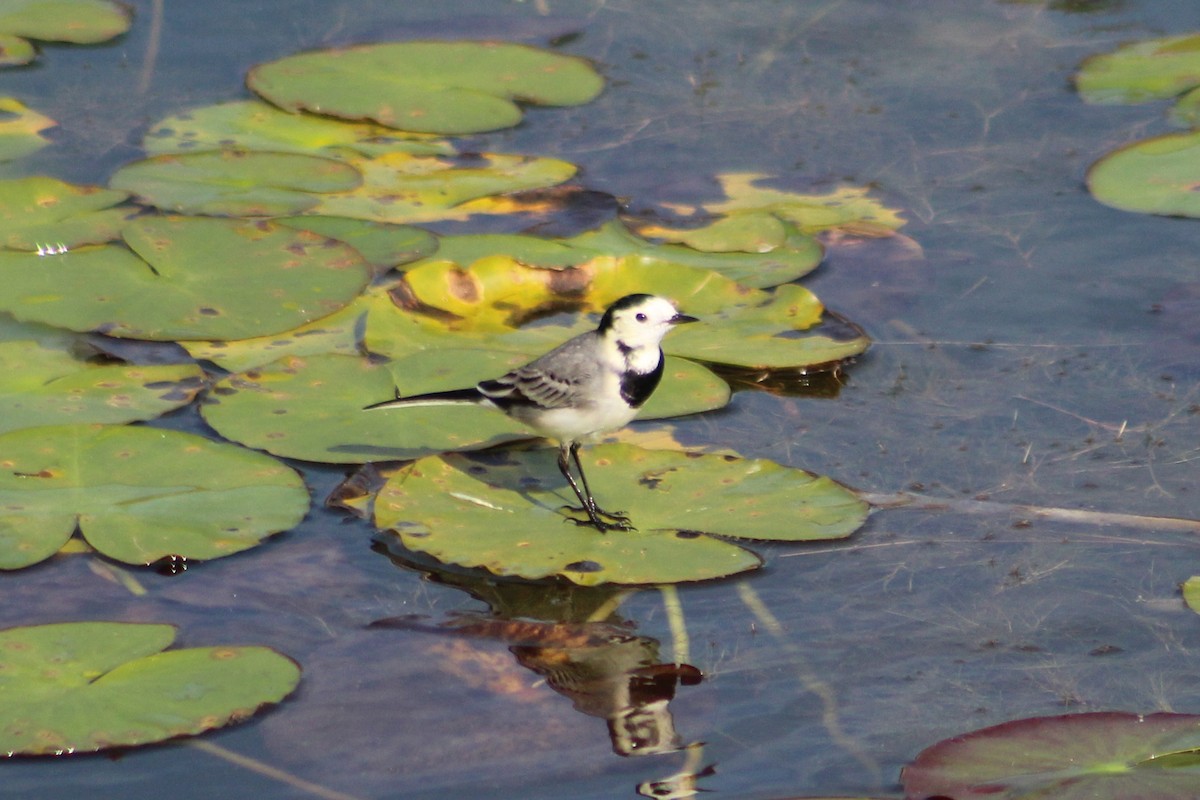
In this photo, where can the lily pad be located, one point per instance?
(1100, 756)
(382, 244)
(312, 408)
(1186, 111)
(20, 126)
(187, 278)
(235, 183)
(797, 256)
(43, 382)
(337, 333)
(80, 687)
(505, 513)
(432, 87)
(766, 335)
(847, 208)
(77, 21)
(1139, 72)
(403, 188)
(1191, 593)
(43, 212)
(496, 293)
(751, 232)
(1152, 176)
(255, 125)
(138, 495)
(15, 51)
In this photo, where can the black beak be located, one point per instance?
(679, 319)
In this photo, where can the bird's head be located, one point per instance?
(641, 320)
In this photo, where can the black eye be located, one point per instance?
(641, 317)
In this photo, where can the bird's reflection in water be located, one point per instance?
(605, 671)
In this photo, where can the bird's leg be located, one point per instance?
(591, 499)
(565, 452)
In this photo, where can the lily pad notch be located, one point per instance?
(86, 686)
(448, 87)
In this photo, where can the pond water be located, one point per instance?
(1032, 347)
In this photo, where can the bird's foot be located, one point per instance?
(601, 520)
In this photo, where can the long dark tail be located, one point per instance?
(452, 397)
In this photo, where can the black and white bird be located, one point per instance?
(593, 383)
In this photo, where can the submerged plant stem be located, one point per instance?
(268, 771)
(680, 644)
(811, 683)
(969, 506)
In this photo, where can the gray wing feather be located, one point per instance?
(555, 380)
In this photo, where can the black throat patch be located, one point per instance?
(636, 387)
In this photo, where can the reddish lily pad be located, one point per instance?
(1100, 756)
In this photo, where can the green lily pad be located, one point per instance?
(1153, 176)
(138, 495)
(1191, 593)
(1186, 111)
(77, 21)
(751, 232)
(40, 212)
(235, 183)
(432, 87)
(1154, 69)
(403, 188)
(505, 513)
(79, 687)
(43, 382)
(15, 51)
(765, 334)
(1100, 756)
(21, 128)
(255, 125)
(797, 256)
(337, 333)
(312, 408)
(187, 278)
(382, 244)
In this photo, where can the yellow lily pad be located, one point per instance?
(20, 126)
(846, 207)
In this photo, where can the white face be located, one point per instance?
(646, 323)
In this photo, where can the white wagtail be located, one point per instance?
(593, 383)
